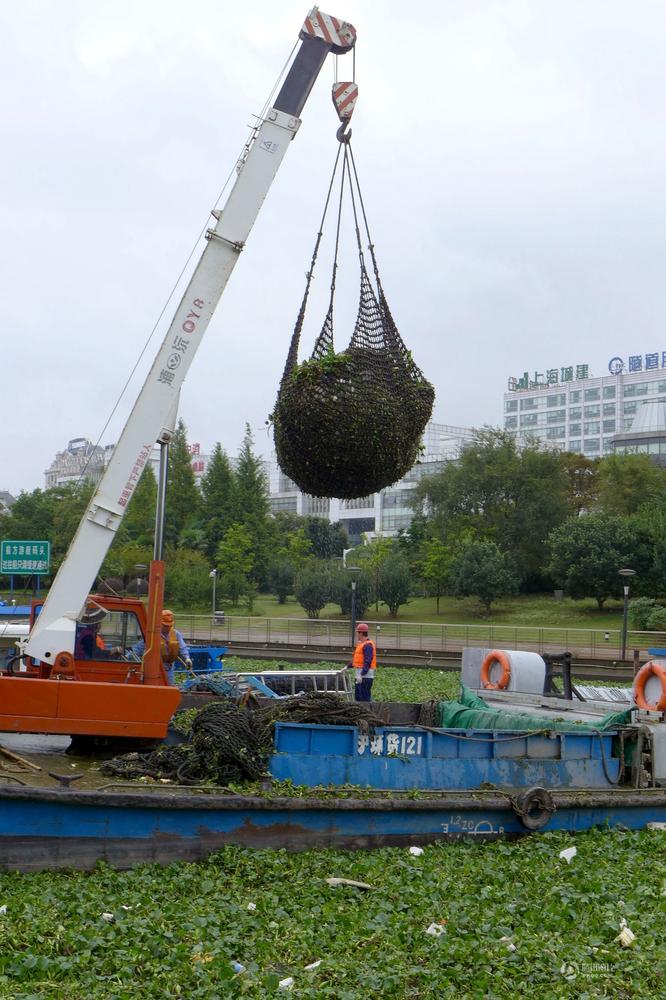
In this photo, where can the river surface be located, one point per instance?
(48, 753)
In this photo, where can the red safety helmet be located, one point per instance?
(362, 627)
(167, 617)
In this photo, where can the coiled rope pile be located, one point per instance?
(229, 745)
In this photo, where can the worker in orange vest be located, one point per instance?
(364, 662)
(172, 646)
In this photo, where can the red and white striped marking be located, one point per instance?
(338, 33)
(345, 96)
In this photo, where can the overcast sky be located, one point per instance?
(512, 156)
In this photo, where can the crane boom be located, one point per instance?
(54, 629)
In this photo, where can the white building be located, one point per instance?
(81, 459)
(572, 410)
(6, 501)
(383, 513)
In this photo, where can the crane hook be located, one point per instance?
(342, 135)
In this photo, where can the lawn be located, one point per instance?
(537, 610)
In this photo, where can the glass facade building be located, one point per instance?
(581, 415)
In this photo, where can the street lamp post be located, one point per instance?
(140, 569)
(353, 611)
(626, 575)
(213, 576)
(352, 617)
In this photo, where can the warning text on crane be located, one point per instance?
(135, 475)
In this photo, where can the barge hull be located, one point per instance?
(54, 828)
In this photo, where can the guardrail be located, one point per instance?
(423, 636)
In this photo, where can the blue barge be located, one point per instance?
(498, 763)
(53, 828)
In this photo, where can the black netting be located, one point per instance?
(229, 744)
(346, 425)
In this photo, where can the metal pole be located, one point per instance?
(160, 513)
(625, 613)
(353, 612)
(214, 601)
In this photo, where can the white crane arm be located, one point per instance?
(54, 629)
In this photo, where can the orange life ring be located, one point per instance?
(496, 656)
(647, 671)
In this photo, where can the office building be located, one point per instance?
(570, 409)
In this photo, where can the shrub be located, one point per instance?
(342, 591)
(313, 589)
(657, 620)
(640, 612)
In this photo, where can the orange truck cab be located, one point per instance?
(104, 688)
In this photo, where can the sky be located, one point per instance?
(511, 154)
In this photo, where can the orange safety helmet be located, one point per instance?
(168, 617)
(362, 627)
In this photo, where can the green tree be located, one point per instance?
(583, 482)
(371, 557)
(313, 588)
(298, 549)
(341, 591)
(588, 551)
(284, 523)
(52, 515)
(252, 506)
(394, 583)
(650, 519)
(187, 579)
(327, 540)
(122, 561)
(31, 516)
(218, 499)
(139, 521)
(657, 620)
(511, 495)
(251, 487)
(70, 502)
(281, 578)
(410, 540)
(435, 567)
(641, 610)
(235, 559)
(183, 499)
(480, 569)
(628, 482)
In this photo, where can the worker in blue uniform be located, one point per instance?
(173, 646)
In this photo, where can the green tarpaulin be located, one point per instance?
(471, 712)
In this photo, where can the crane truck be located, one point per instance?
(77, 672)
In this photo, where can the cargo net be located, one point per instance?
(231, 745)
(348, 424)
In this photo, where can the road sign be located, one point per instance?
(24, 558)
